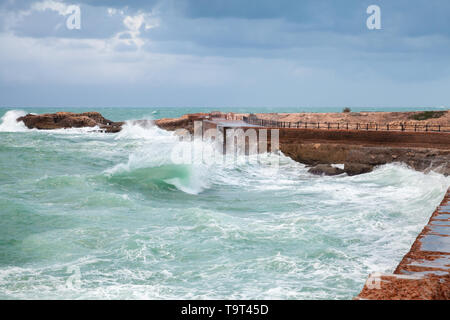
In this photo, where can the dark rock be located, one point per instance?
(113, 127)
(353, 169)
(325, 169)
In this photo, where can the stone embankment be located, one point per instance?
(424, 272)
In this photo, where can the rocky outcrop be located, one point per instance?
(184, 122)
(325, 169)
(63, 120)
(175, 124)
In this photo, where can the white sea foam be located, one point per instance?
(142, 129)
(9, 121)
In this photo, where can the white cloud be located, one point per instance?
(131, 39)
(60, 7)
(134, 23)
(75, 62)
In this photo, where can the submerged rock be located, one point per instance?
(353, 169)
(63, 120)
(325, 169)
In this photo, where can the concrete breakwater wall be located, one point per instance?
(424, 272)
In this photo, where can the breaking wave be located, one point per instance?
(9, 122)
(150, 164)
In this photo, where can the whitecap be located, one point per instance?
(10, 124)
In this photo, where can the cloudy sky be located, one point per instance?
(213, 53)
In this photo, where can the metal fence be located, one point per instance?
(373, 126)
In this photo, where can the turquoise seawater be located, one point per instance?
(87, 215)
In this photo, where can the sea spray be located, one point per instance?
(9, 121)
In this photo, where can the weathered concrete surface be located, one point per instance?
(424, 272)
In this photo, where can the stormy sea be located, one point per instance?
(89, 215)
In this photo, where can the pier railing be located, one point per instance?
(346, 125)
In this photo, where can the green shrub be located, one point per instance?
(347, 110)
(427, 115)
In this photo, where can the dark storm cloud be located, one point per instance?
(282, 21)
(291, 50)
(414, 18)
